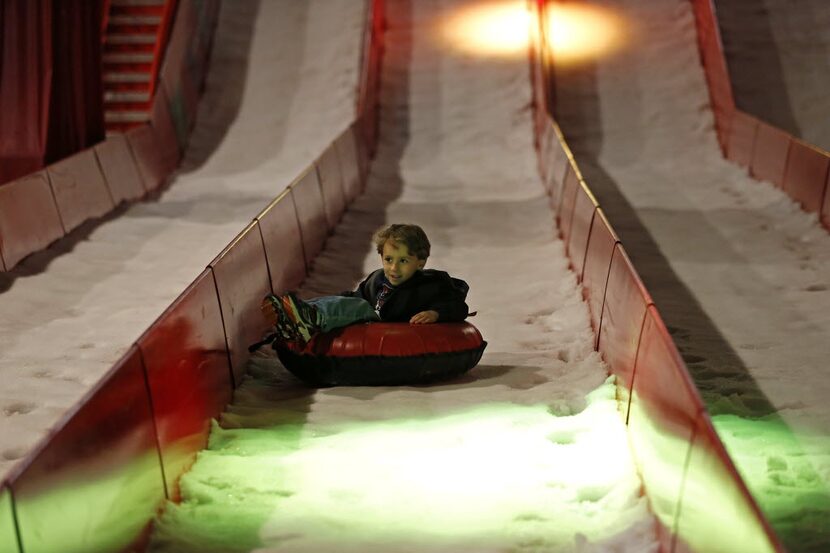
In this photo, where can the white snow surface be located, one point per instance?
(738, 271)
(281, 86)
(456, 156)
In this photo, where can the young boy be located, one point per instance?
(401, 291)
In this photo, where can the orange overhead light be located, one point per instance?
(495, 28)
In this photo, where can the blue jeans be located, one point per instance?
(338, 311)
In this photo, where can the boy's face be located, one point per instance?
(398, 264)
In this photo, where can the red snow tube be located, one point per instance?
(385, 354)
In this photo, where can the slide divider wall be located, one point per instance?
(40, 208)
(767, 152)
(699, 499)
(100, 476)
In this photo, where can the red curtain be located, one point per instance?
(51, 103)
(25, 85)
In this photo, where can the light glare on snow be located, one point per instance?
(578, 32)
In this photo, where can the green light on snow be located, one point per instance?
(788, 472)
(497, 475)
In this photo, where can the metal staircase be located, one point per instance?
(133, 46)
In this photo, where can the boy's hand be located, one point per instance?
(424, 317)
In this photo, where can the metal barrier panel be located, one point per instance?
(8, 531)
(769, 155)
(96, 482)
(331, 184)
(564, 216)
(559, 166)
(148, 156)
(283, 243)
(80, 189)
(311, 212)
(664, 406)
(623, 313)
(119, 168)
(805, 178)
(602, 242)
(742, 130)
(585, 207)
(188, 373)
(349, 168)
(241, 274)
(717, 514)
(29, 219)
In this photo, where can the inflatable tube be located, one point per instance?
(385, 354)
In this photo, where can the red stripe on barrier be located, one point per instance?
(601, 245)
(308, 200)
(119, 169)
(585, 206)
(742, 130)
(80, 189)
(805, 178)
(331, 183)
(241, 274)
(29, 219)
(283, 242)
(769, 156)
(97, 458)
(189, 375)
(623, 313)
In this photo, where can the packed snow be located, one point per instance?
(528, 452)
(738, 271)
(280, 88)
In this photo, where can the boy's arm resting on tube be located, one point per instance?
(450, 303)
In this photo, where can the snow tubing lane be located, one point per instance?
(385, 354)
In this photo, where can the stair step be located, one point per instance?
(123, 38)
(126, 116)
(126, 77)
(128, 57)
(134, 20)
(126, 96)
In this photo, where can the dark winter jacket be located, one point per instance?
(427, 289)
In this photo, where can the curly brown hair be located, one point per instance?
(412, 236)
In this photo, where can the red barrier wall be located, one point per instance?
(79, 188)
(241, 273)
(805, 178)
(331, 184)
(769, 155)
(280, 229)
(761, 147)
(700, 501)
(585, 207)
(8, 531)
(188, 374)
(69, 496)
(84, 490)
(119, 169)
(150, 152)
(29, 219)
